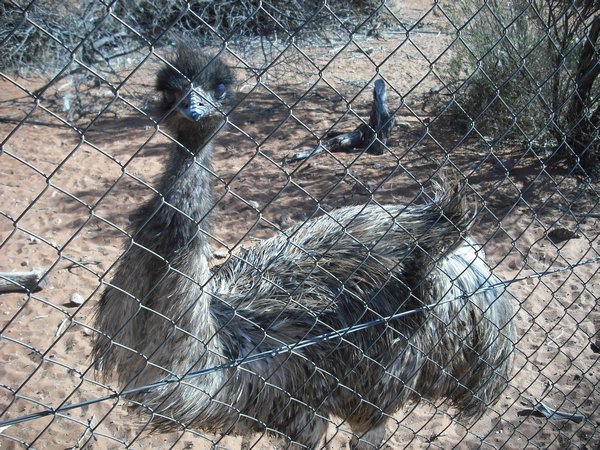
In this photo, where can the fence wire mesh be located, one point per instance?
(339, 298)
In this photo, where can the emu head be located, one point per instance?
(196, 88)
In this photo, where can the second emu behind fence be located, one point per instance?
(166, 313)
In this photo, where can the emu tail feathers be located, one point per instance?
(470, 331)
(447, 218)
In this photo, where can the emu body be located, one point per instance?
(166, 313)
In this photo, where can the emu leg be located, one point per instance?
(308, 432)
(369, 440)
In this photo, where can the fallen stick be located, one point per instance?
(542, 410)
(22, 281)
(370, 137)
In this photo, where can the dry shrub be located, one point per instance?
(49, 32)
(81, 47)
(522, 74)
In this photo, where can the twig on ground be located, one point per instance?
(22, 281)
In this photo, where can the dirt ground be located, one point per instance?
(67, 195)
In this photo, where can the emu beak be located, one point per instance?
(195, 107)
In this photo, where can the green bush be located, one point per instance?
(519, 70)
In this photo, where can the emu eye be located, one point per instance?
(220, 91)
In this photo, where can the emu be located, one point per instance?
(168, 312)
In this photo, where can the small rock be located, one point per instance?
(403, 124)
(24, 263)
(32, 240)
(284, 221)
(361, 189)
(253, 204)
(221, 254)
(559, 235)
(76, 299)
(513, 265)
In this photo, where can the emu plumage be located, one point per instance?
(166, 313)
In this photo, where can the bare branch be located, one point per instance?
(371, 137)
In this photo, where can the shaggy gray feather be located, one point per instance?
(166, 313)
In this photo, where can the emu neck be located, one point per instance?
(176, 223)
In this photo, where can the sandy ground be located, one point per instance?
(67, 194)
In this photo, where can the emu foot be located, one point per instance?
(371, 440)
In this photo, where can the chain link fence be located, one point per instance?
(334, 302)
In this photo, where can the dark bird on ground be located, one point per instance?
(440, 324)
